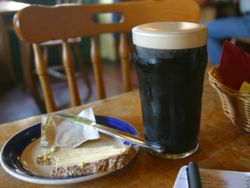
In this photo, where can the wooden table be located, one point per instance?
(222, 146)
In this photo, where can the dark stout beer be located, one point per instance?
(170, 83)
(171, 89)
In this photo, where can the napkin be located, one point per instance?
(211, 178)
(56, 132)
(234, 66)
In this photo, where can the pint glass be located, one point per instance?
(171, 59)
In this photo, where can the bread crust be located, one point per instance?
(109, 164)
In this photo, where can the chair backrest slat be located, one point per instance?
(97, 68)
(124, 57)
(69, 21)
(68, 63)
(41, 69)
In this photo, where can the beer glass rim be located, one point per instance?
(170, 35)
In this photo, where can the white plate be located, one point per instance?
(19, 153)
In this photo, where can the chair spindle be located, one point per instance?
(42, 71)
(95, 58)
(68, 64)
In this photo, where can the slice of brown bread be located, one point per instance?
(93, 157)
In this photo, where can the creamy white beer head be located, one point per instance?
(170, 35)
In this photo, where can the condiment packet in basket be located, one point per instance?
(58, 132)
(234, 66)
(245, 88)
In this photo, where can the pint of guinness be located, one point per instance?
(170, 60)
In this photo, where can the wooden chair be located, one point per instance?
(37, 24)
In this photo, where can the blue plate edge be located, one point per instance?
(49, 180)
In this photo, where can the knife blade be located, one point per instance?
(110, 131)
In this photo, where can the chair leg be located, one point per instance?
(28, 76)
(5, 54)
(116, 48)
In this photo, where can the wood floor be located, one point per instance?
(15, 103)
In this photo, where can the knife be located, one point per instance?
(111, 132)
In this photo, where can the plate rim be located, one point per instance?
(50, 181)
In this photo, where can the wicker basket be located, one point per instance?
(235, 104)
